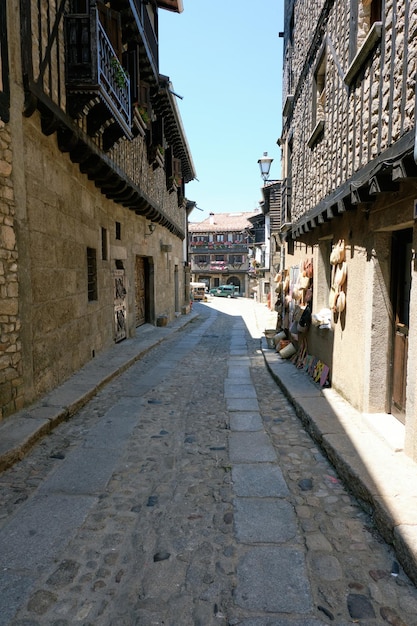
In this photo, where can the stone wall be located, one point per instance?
(10, 345)
(361, 121)
(65, 213)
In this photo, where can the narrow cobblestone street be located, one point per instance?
(186, 493)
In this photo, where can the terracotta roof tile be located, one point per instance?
(223, 222)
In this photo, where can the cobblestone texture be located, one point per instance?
(160, 543)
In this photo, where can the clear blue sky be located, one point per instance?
(224, 58)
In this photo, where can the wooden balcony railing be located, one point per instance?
(206, 247)
(94, 70)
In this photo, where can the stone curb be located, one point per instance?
(380, 477)
(20, 431)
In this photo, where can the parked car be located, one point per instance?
(227, 291)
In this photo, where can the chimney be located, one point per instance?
(211, 218)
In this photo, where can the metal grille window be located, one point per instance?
(104, 246)
(91, 274)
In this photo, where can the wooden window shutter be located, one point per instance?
(157, 132)
(131, 63)
(144, 95)
(176, 168)
(111, 23)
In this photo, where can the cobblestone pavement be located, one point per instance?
(187, 493)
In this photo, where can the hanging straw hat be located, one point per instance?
(340, 274)
(332, 298)
(341, 302)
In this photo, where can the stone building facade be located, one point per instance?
(11, 393)
(220, 250)
(93, 167)
(349, 175)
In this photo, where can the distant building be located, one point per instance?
(219, 250)
(266, 245)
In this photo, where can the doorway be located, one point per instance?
(141, 290)
(401, 259)
(119, 300)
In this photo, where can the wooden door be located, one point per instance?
(401, 284)
(140, 290)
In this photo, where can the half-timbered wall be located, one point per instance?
(361, 120)
(349, 173)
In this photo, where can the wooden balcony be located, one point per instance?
(97, 85)
(204, 247)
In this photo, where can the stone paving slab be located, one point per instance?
(13, 587)
(242, 404)
(273, 579)
(246, 421)
(241, 375)
(264, 520)
(262, 480)
(250, 447)
(239, 390)
(53, 517)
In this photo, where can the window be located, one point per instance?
(369, 12)
(220, 238)
(319, 100)
(91, 274)
(4, 66)
(111, 22)
(118, 231)
(144, 97)
(131, 63)
(176, 169)
(79, 6)
(364, 36)
(319, 91)
(104, 245)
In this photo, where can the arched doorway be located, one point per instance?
(234, 280)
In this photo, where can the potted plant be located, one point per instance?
(119, 75)
(174, 182)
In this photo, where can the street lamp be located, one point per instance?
(265, 166)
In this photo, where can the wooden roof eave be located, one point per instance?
(396, 162)
(166, 105)
(171, 5)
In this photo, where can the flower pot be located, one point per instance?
(288, 351)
